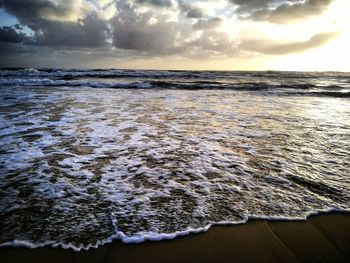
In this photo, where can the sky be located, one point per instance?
(311, 35)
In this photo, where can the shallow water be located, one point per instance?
(82, 166)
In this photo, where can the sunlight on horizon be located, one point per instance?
(303, 36)
(332, 56)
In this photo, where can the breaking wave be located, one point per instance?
(143, 158)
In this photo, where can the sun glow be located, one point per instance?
(334, 55)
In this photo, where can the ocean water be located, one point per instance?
(90, 156)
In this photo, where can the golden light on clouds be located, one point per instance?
(174, 34)
(333, 55)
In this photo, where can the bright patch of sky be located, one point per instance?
(7, 20)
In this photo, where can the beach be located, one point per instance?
(321, 238)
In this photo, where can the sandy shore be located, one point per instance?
(322, 238)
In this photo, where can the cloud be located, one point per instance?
(152, 34)
(87, 32)
(158, 3)
(195, 12)
(190, 11)
(9, 34)
(52, 25)
(273, 48)
(207, 24)
(291, 12)
(213, 42)
(247, 6)
(126, 29)
(133, 30)
(30, 12)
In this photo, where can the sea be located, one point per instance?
(92, 156)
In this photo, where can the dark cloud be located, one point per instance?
(9, 34)
(212, 41)
(32, 12)
(207, 24)
(195, 12)
(280, 11)
(19, 55)
(158, 3)
(156, 38)
(133, 31)
(18, 27)
(291, 12)
(272, 48)
(87, 32)
(247, 6)
(149, 33)
(190, 11)
(162, 28)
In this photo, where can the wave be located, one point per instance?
(300, 89)
(330, 84)
(143, 237)
(90, 166)
(334, 94)
(125, 73)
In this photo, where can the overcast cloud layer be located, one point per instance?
(157, 28)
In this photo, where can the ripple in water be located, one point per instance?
(80, 167)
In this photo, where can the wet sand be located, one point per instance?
(322, 238)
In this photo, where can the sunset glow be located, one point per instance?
(223, 34)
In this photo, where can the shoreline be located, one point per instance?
(323, 238)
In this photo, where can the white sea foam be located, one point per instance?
(90, 167)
